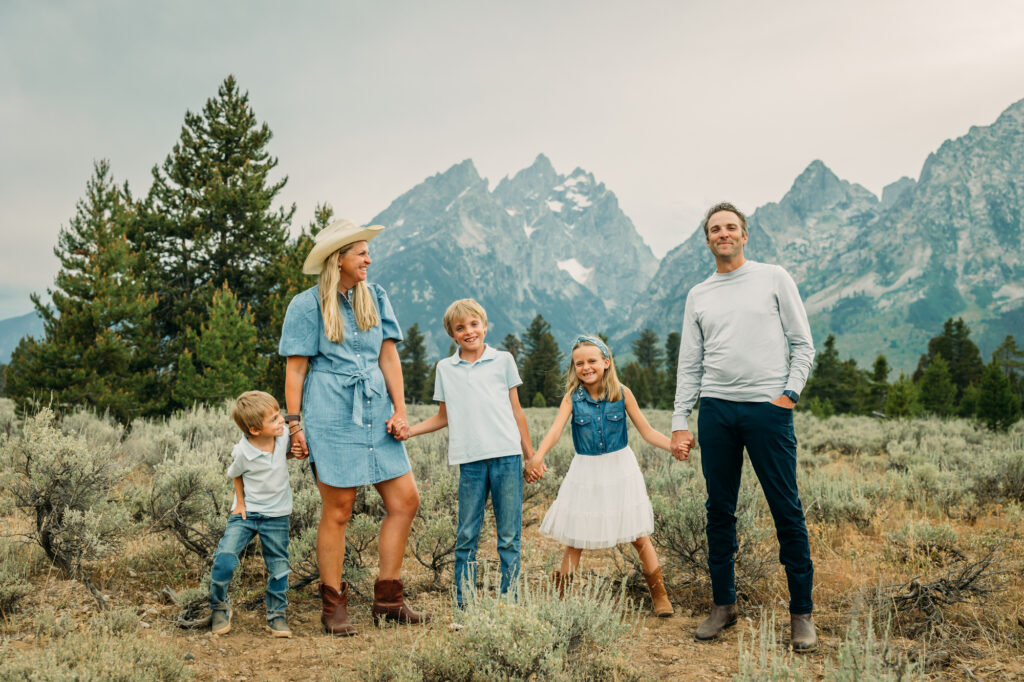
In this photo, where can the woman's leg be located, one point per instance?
(571, 560)
(648, 557)
(401, 500)
(330, 535)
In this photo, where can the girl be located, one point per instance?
(602, 500)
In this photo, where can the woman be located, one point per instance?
(345, 375)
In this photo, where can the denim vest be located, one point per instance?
(598, 426)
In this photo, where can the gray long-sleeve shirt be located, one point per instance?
(745, 338)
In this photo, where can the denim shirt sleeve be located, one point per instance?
(388, 322)
(300, 333)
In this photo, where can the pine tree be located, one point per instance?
(514, 346)
(220, 361)
(638, 380)
(998, 406)
(937, 390)
(823, 384)
(413, 353)
(902, 400)
(98, 341)
(542, 364)
(879, 384)
(1011, 359)
(954, 344)
(667, 391)
(209, 222)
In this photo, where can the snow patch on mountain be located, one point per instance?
(555, 206)
(576, 270)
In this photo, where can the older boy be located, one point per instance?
(263, 501)
(487, 438)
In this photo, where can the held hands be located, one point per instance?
(682, 443)
(534, 469)
(298, 448)
(398, 426)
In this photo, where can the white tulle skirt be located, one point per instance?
(602, 502)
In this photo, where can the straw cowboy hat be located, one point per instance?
(336, 235)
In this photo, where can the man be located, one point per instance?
(746, 351)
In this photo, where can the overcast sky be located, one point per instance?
(674, 105)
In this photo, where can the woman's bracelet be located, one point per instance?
(296, 429)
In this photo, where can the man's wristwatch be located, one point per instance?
(292, 418)
(792, 395)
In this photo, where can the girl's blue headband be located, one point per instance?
(594, 340)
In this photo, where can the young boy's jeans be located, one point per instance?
(502, 479)
(273, 532)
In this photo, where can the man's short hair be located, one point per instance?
(460, 310)
(251, 408)
(724, 206)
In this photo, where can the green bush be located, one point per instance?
(537, 637)
(98, 656)
(66, 485)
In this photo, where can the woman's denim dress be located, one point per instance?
(345, 404)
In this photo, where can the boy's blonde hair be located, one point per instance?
(611, 389)
(251, 408)
(363, 305)
(460, 310)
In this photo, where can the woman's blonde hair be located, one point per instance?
(611, 389)
(363, 305)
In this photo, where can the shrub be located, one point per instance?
(432, 538)
(101, 431)
(8, 416)
(831, 498)
(678, 495)
(537, 637)
(13, 589)
(190, 498)
(922, 538)
(98, 656)
(66, 485)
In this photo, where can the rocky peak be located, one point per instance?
(815, 189)
(892, 192)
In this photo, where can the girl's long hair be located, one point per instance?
(610, 386)
(363, 305)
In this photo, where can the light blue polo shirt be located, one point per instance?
(480, 420)
(264, 477)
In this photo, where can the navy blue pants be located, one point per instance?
(725, 428)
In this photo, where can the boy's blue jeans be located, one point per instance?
(273, 532)
(502, 479)
(724, 428)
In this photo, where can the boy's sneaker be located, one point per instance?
(220, 623)
(278, 626)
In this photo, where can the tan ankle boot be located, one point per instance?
(659, 597)
(334, 614)
(389, 605)
(802, 638)
(721, 617)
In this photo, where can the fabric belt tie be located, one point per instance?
(363, 389)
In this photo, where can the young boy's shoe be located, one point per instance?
(278, 626)
(220, 623)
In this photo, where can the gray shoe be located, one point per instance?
(220, 622)
(721, 617)
(803, 638)
(278, 626)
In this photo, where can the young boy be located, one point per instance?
(263, 501)
(487, 438)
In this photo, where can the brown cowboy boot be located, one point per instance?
(389, 605)
(721, 617)
(802, 638)
(562, 582)
(335, 611)
(659, 597)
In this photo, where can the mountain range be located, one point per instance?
(881, 273)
